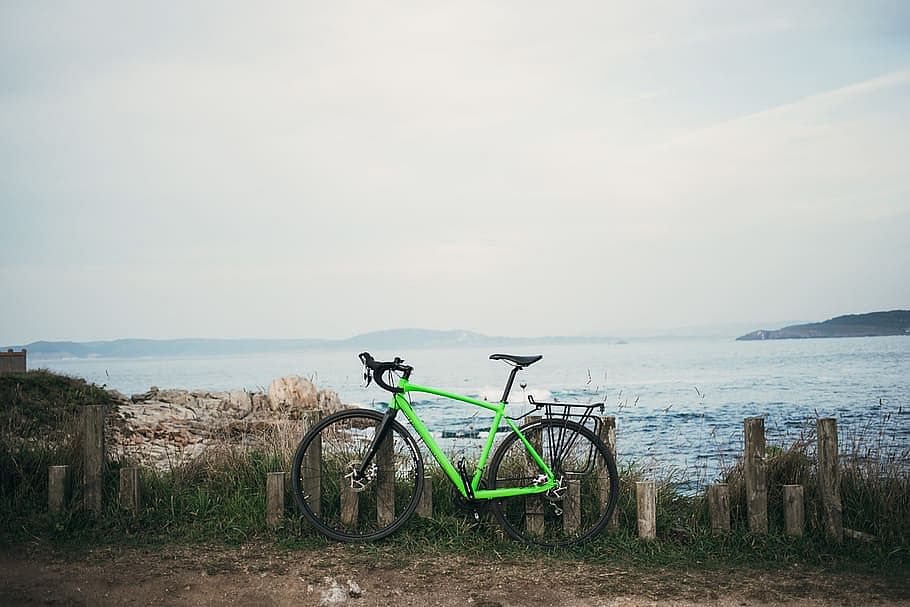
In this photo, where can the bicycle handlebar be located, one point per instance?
(380, 368)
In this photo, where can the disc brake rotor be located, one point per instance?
(359, 483)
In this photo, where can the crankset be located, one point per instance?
(476, 509)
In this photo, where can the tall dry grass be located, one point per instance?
(220, 496)
(874, 468)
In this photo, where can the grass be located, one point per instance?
(38, 413)
(220, 497)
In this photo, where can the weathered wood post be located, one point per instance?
(829, 479)
(385, 480)
(349, 503)
(58, 488)
(756, 472)
(274, 498)
(93, 457)
(534, 506)
(425, 505)
(129, 489)
(311, 472)
(794, 510)
(607, 433)
(646, 496)
(719, 507)
(571, 515)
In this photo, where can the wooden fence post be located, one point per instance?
(311, 467)
(385, 480)
(534, 506)
(93, 457)
(719, 507)
(129, 489)
(794, 509)
(349, 503)
(571, 513)
(425, 505)
(646, 495)
(756, 473)
(274, 498)
(58, 488)
(607, 433)
(829, 479)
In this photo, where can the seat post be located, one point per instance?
(505, 394)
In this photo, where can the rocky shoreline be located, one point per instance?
(165, 427)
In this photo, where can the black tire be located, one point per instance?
(320, 466)
(585, 469)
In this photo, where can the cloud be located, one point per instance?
(615, 161)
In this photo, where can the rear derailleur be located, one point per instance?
(555, 496)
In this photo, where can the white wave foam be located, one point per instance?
(517, 396)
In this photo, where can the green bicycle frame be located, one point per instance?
(400, 403)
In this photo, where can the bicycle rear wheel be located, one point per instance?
(582, 503)
(364, 510)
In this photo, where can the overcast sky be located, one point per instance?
(211, 169)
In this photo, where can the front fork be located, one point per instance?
(385, 427)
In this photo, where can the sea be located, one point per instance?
(679, 403)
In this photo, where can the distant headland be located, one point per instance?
(895, 322)
(394, 339)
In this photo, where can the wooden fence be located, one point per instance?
(717, 495)
(13, 362)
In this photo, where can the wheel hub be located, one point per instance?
(357, 482)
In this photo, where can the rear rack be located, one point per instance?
(580, 413)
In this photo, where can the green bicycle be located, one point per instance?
(358, 474)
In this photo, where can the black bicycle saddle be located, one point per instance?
(521, 361)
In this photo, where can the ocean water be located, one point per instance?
(679, 403)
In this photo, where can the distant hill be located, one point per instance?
(137, 348)
(395, 339)
(413, 338)
(895, 322)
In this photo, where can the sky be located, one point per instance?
(322, 169)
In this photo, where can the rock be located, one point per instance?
(118, 395)
(292, 392)
(209, 405)
(333, 594)
(166, 427)
(241, 402)
(175, 397)
(145, 395)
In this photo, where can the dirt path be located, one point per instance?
(340, 575)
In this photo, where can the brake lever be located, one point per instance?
(367, 376)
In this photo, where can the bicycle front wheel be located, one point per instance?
(369, 508)
(585, 496)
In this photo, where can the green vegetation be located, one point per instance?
(39, 411)
(220, 497)
(43, 404)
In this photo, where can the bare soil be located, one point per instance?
(366, 576)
